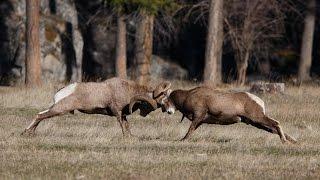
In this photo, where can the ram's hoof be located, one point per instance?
(27, 132)
(291, 139)
(183, 139)
(285, 141)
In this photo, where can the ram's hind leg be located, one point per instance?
(288, 137)
(39, 117)
(275, 124)
(267, 128)
(60, 108)
(264, 121)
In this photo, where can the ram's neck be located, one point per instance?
(178, 97)
(140, 89)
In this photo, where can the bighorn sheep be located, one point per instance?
(111, 97)
(206, 105)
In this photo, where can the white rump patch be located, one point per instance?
(258, 101)
(42, 112)
(65, 92)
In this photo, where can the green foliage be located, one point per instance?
(117, 3)
(150, 6)
(154, 6)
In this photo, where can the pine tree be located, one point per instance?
(33, 64)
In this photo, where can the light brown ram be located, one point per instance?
(206, 105)
(111, 97)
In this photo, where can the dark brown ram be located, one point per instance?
(206, 105)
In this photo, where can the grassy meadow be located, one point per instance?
(91, 146)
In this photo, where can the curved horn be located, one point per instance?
(167, 86)
(140, 98)
(164, 86)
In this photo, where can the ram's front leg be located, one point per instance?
(126, 125)
(119, 119)
(182, 118)
(196, 122)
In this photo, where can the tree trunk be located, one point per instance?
(33, 64)
(121, 50)
(307, 42)
(78, 48)
(143, 47)
(242, 69)
(212, 69)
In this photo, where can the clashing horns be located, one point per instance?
(201, 105)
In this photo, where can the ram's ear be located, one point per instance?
(161, 88)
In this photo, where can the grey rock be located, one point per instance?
(166, 69)
(263, 87)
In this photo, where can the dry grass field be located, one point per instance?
(91, 146)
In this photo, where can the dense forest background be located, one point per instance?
(200, 40)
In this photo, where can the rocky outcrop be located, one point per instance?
(68, 12)
(77, 41)
(97, 27)
(11, 27)
(60, 39)
(165, 69)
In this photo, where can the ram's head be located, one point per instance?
(147, 104)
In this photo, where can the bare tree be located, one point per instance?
(212, 69)
(251, 26)
(307, 42)
(121, 50)
(143, 47)
(33, 64)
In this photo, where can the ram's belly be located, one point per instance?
(225, 106)
(104, 111)
(223, 120)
